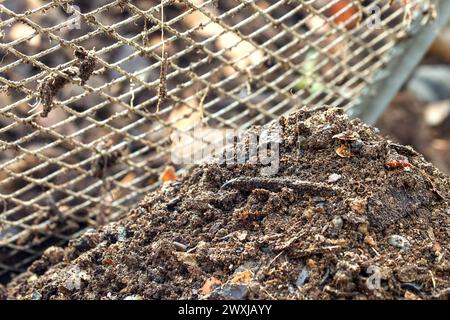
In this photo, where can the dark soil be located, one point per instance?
(324, 227)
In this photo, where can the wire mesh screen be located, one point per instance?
(92, 91)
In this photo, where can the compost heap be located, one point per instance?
(348, 215)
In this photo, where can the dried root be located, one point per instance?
(162, 92)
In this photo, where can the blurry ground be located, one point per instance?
(420, 114)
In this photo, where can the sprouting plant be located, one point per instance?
(309, 80)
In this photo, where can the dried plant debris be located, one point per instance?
(49, 88)
(107, 158)
(86, 63)
(223, 231)
(162, 88)
(53, 83)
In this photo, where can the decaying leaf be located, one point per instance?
(343, 151)
(210, 285)
(168, 174)
(243, 277)
(187, 259)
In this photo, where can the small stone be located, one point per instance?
(180, 246)
(334, 178)
(359, 206)
(232, 292)
(241, 236)
(302, 278)
(291, 289)
(242, 277)
(36, 295)
(356, 146)
(141, 210)
(122, 234)
(337, 222)
(399, 242)
(54, 255)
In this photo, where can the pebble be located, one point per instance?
(337, 222)
(232, 291)
(141, 210)
(291, 289)
(399, 242)
(302, 278)
(36, 295)
(179, 246)
(359, 206)
(356, 146)
(122, 234)
(334, 178)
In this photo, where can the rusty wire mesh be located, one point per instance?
(99, 133)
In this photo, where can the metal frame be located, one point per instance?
(403, 61)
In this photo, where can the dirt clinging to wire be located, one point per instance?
(372, 222)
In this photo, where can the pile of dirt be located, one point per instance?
(348, 215)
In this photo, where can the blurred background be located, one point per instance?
(420, 114)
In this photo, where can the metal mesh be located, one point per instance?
(105, 99)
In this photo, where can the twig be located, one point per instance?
(274, 259)
(202, 100)
(276, 184)
(162, 92)
(433, 281)
(406, 149)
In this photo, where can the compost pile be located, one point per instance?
(348, 215)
